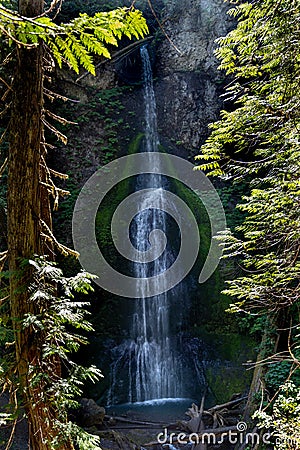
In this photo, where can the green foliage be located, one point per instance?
(50, 317)
(258, 51)
(83, 439)
(106, 107)
(257, 139)
(57, 328)
(284, 420)
(278, 373)
(110, 203)
(77, 41)
(230, 195)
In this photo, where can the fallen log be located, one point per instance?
(126, 420)
(226, 405)
(197, 414)
(195, 425)
(133, 421)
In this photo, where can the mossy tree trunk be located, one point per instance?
(28, 208)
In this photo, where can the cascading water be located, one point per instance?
(149, 362)
(155, 374)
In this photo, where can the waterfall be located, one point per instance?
(152, 355)
(150, 358)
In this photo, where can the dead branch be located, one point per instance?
(48, 236)
(52, 189)
(3, 257)
(7, 105)
(6, 84)
(55, 4)
(63, 176)
(53, 95)
(59, 119)
(57, 133)
(3, 167)
(162, 28)
(195, 424)
(3, 136)
(201, 427)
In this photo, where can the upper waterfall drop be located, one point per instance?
(151, 133)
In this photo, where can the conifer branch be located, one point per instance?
(77, 41)
(14, 39)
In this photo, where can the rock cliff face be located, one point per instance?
(188, 83)
(193, 26)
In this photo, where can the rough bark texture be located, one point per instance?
(28, 205)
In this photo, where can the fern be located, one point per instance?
(60, 316)
(77, 41)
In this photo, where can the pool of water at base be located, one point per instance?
(163, 410)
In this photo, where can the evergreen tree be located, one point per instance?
(258, 140)
(37, 314)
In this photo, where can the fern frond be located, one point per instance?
(75, 42)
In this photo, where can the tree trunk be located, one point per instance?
(28, 205)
